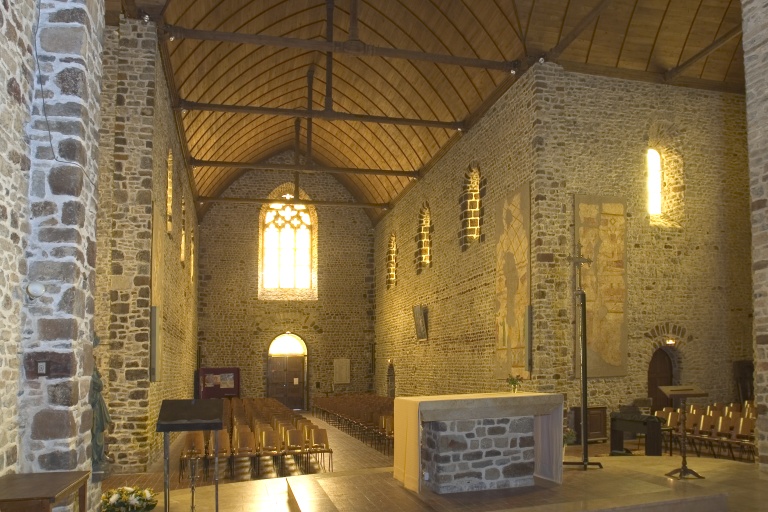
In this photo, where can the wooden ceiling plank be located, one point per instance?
(345, 47)
(585, 22)
(674, 72)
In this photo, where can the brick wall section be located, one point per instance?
(755, 43)
(475, 455)
(55, 415)
(137, 133)
(16, 65)
(569, 133)
(236, 328)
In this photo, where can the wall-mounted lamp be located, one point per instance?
(670, 342)
(145, 18)
(35, 290)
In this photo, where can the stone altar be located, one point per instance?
(478, 441)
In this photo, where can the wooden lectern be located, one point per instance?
(683, 393)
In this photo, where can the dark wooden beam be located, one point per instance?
(566, 41)
(357, 48)
(714, 46)
(319, 114)
(307, 169)
(248, 200)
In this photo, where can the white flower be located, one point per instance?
(147, 494)
(114, 498)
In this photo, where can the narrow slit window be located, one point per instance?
(653, 162)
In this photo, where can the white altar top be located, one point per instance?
(546, 408)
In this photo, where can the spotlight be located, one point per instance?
(145, 18)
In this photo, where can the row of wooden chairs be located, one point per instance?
(370, 418)
(257, 430)
(720, 429)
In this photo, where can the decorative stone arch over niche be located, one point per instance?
(664, 137)
(279, 194)
(659, 337)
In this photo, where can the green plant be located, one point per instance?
(128, 499)
(569, 436)
(514, 380)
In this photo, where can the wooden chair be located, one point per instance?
(224, 453)
(243, 452)
(294, 446)
(321, 446)
(192, 452)
(271, 446)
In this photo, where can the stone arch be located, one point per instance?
(658, 337)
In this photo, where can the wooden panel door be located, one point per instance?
(659, 374)
(286, 380)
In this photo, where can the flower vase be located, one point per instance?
(514, 389)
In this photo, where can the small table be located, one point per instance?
(37, 492)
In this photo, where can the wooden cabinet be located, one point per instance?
(597, 420)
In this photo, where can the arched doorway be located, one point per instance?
(660, 373)
(286, 371)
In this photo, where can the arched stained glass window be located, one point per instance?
(288, 251)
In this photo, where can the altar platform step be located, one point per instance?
(625, 484)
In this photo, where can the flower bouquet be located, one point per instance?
(569, 436)
(128, 499)
(514, 381)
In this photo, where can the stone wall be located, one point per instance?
(16, 68)
(178, 295)
(755, 43)
(236, 327)
(573, 134)
(138, 132)
(476, 455)
(54, 413)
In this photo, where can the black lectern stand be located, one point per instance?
(682, 392)
(187, 416)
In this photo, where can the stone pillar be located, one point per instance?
(16, 62)
(755, 43)
(55, 416)
(130, 246)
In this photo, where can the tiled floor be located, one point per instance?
(363, 482)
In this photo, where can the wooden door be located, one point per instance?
(286, 380)
(659, 374)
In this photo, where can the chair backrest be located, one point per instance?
(194, 443)
(243, 441)
(319, 438)
(224, 445)
(725, 426)
(270, 440)
(746, 427)
(294, 440)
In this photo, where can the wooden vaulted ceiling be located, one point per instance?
(406, 77)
